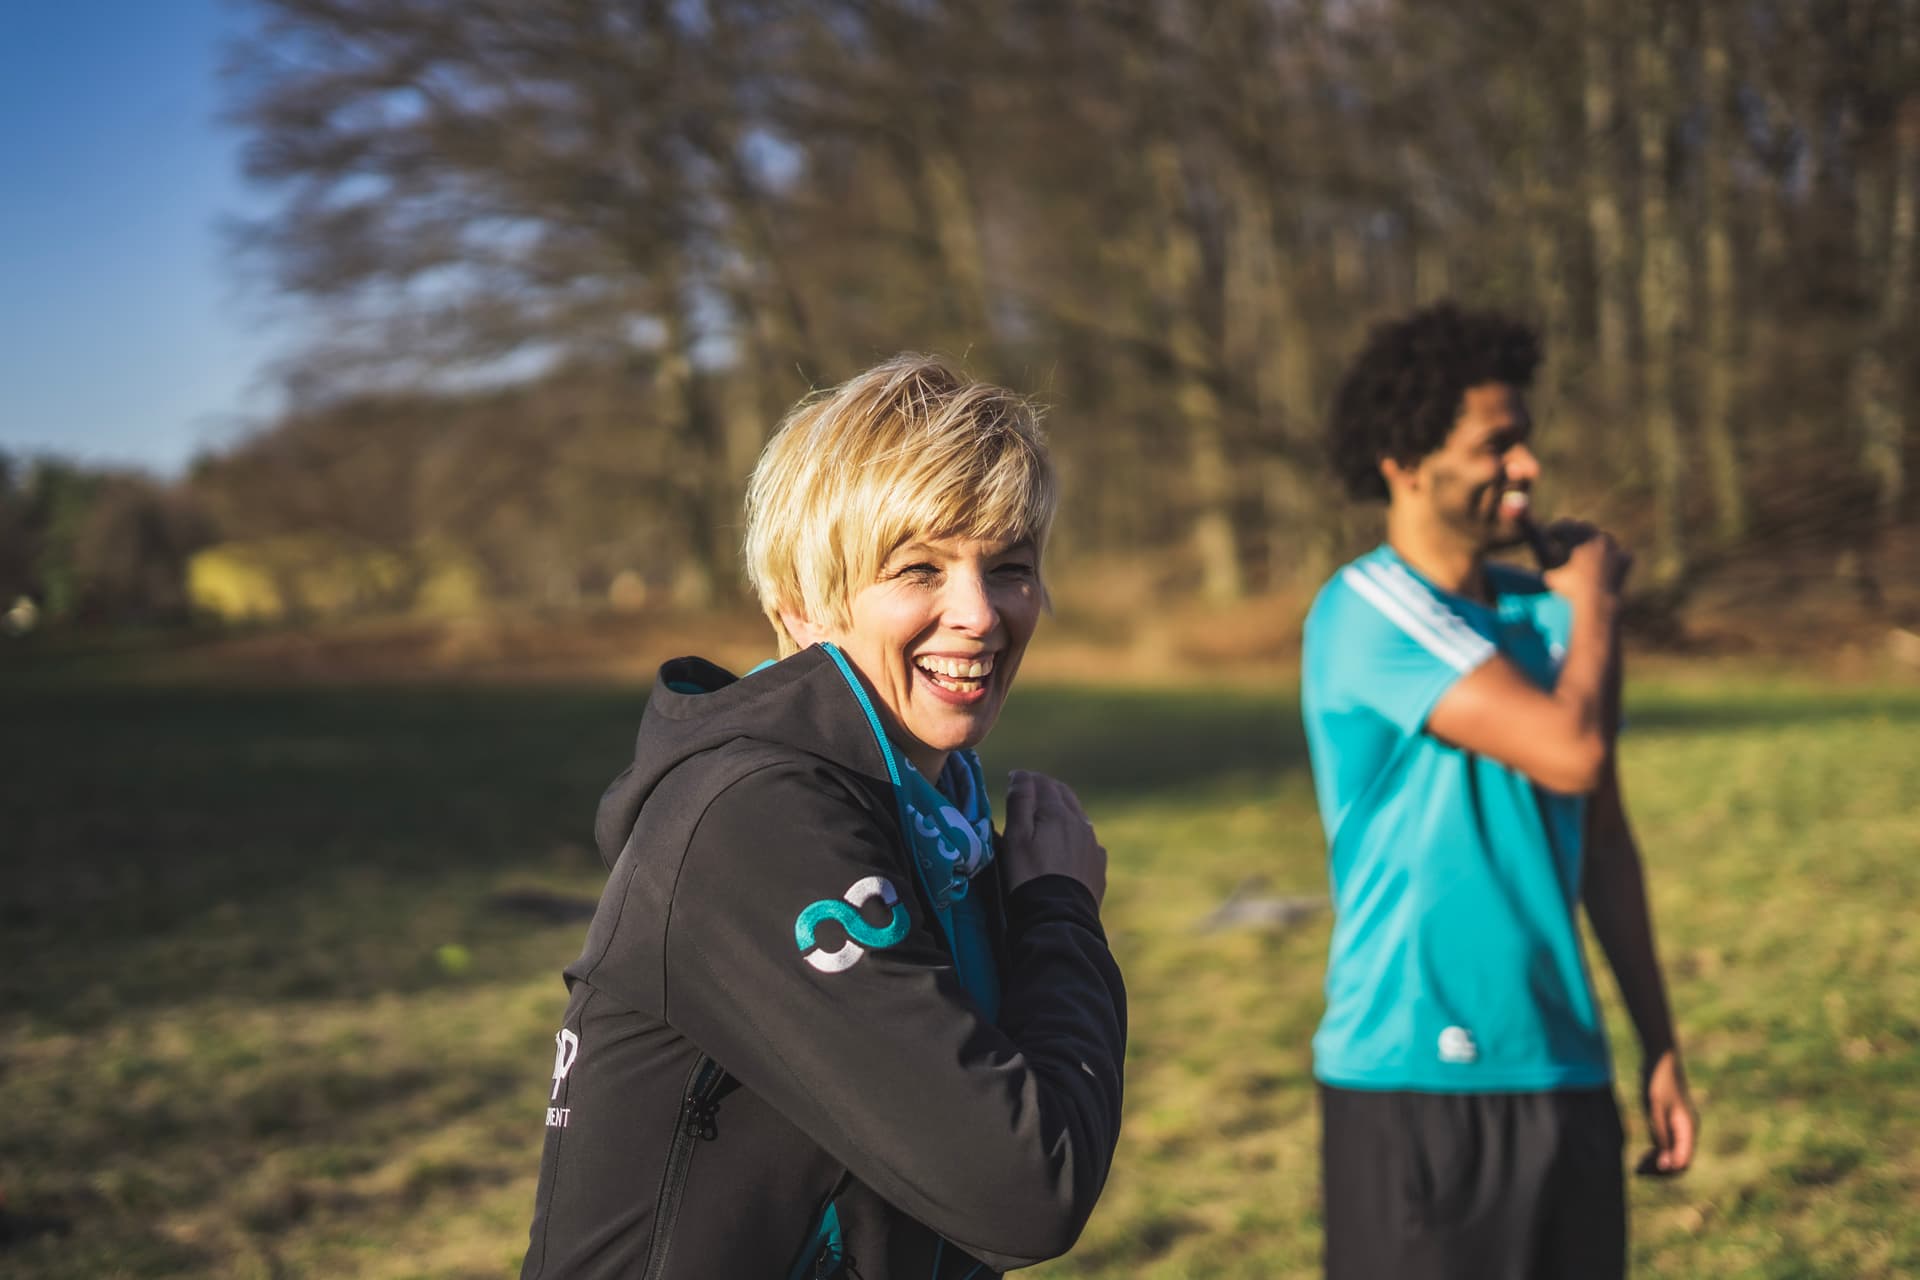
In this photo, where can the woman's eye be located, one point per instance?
(918, 572)
(1014, 570)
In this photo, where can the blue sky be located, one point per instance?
(124, 334)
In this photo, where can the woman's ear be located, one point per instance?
(805, 634)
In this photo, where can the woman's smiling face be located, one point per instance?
(939, 634)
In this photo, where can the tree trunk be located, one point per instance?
(1432, 272)
(1663, 289)
(1195, 363)
(1719, 379)
(701, 487)
(1546, 261)
(1880, 409)
(949, 199)
(1606, 214)
(1300, 507)
(1269, 341)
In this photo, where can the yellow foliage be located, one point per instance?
(226, 582)
(452, 586)
(309, 575)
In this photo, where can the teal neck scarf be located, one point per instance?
(949, 830)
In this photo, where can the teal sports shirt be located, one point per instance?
(1456, 964)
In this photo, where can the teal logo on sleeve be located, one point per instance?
(845, 911)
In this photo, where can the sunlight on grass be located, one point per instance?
(235, 1044)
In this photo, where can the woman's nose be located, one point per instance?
(968, 604)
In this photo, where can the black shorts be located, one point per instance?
(1487, 1186)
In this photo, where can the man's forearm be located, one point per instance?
(1616, 897)
(1587, 683)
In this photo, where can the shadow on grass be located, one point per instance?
(43, 1244)
(1763, 707)
(165, 843)
(168, 843)
(1134, 743)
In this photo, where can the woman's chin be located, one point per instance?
(948, 719)
(950, 732)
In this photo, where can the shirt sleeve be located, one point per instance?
(800, 959)
(1381, 641)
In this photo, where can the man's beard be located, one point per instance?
(1504, 535)
(1479, 520)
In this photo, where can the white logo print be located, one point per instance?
(566, 1048)
(1456, 1045)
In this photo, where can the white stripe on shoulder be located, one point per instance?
(1396, 612)
(1468, 649)
(1419, 597)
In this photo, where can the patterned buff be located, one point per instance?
(951, 832)
(952, 838)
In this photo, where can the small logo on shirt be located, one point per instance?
(566, 1048)
(1456, 1045)
(845, 911)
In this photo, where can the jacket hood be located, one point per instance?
(802, 702)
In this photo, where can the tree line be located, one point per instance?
(569, 260)
(93, 545)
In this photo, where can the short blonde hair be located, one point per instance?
(910, 448)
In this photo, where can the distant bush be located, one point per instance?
(305, 576)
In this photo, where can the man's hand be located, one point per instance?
(1589, 565)
(1049, 834)
(1671, 1116)
(1561, 736)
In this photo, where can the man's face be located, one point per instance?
(1479, 483)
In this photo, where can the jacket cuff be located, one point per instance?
(1053, 899)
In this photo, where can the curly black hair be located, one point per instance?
(1401, 396)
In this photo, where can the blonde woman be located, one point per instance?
(828, 1021)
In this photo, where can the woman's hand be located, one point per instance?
(1049, 834)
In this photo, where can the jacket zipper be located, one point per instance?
(694, 1124)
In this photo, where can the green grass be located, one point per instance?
(237, 1039)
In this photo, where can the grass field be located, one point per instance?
(266, 1013)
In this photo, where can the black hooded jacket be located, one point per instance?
(714, 1091)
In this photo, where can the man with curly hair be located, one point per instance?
(1461, 714)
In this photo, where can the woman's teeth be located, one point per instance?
(1514, 501)
(962, 675)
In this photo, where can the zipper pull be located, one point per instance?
(699, 1119)
(831, 1263)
